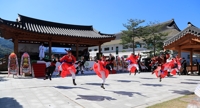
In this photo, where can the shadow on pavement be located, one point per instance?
(155, 85)
(192, 79)
(130, 94)
(126, 81)
(189, 83)
(66, 87)
(96, 84)
(181, 91)
(95, 98)
(8, 102)
(2, 79)
(147, 78)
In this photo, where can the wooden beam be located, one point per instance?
(100, 48)
(179, 51)
(181, 41)
(77, 45)
(190, 46)
(191, 60)
(196, 40)
(50, 48)
(16, 45)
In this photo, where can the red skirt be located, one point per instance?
(160, 74)
(65, 69)
(96, 70)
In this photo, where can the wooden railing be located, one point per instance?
(194, 68)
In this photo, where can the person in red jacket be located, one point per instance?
(133, 63)
(68, 66)
(100, 69)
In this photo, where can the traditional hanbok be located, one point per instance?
(163, 67)
(133, 63)
(68, 66)
(101, 71)
(41, 52)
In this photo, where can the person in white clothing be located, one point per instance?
(41, 51)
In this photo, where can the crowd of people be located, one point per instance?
(162, 65)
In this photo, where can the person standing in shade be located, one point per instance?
(41, 51)
(80, 66)
(184, 65)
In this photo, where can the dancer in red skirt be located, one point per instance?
(162, 69)
(178, 61)
(100, 70)
(133, 63)
(154, 63)
(68, 66)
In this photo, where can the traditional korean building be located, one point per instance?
(188, 40)
(28, 33)
(169, 27)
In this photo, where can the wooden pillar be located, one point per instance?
(77, 45)
(179, 51)
(50, 49)
(191, 60)
(99, 48)
(16, 46)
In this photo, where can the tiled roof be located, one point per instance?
(190, 29)
(47, 27)
(171, 24)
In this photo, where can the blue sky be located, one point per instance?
(106, 16)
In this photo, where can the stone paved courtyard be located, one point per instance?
(122, 91)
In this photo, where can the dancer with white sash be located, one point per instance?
(133, 66)
(68, 66)
(100, 70)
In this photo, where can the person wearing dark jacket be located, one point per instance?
(50, 70)
(184, 65)
(80, 66)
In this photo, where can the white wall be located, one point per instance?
(121, 51)
(79, 48)
(24, 47)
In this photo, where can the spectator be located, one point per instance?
(184, 65)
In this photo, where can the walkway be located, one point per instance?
(122, 91)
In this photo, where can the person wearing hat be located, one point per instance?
(68, 65)
(100, 70)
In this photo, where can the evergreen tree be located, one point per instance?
(134, 30)
(154, 37)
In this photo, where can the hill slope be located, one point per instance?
(6, 47)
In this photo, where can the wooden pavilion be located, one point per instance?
(52, 34)
(188, 40)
